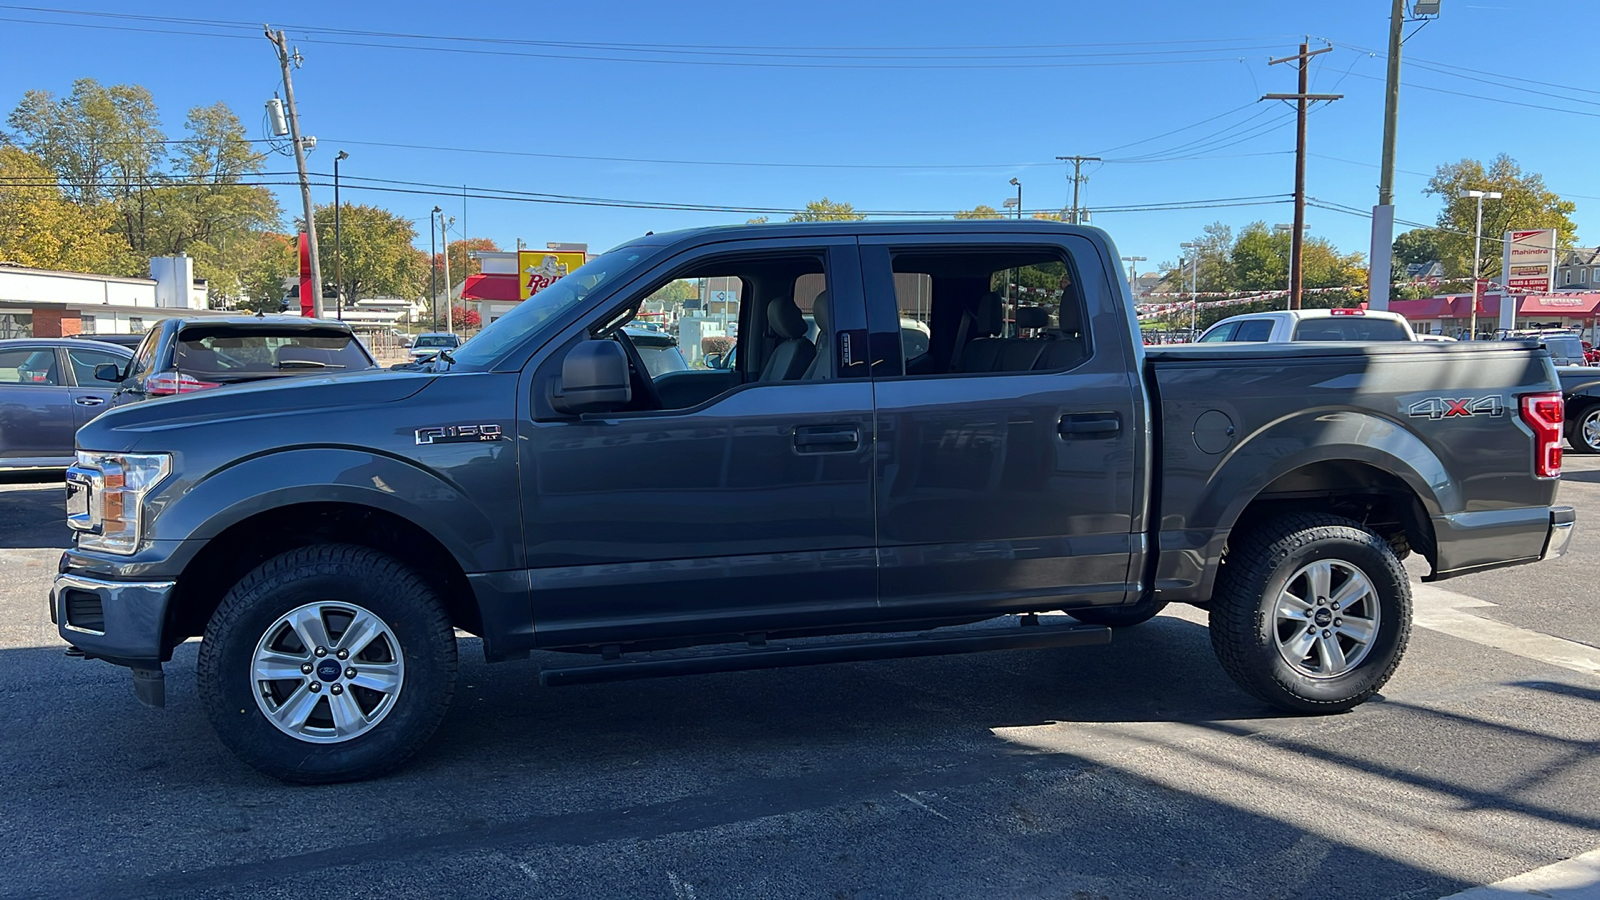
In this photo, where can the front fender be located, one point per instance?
(449, 509)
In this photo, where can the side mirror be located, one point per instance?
(594, 378)
(108, 372)
(713, 360)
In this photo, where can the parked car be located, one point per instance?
(1580, 390)
(129, 341)
(658, 350)
(429, 343)
(1566, 347)
(821, 502)
(186, 354)
(1345, 324)
(47, 392)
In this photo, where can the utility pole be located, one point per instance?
(338, 242)
(1302, 99)
(1193, 251)
(1133, 275)
(444, 244)
(1077, 179)
(433, 270)
(284, 60)
(1382, 255)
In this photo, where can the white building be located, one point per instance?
(45, 303)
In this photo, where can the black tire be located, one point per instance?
(1575, 415)
(1120, 616)
(1246, 628)
(424, 668)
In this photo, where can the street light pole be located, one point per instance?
(1018, 185)
(1194, 288)
(433, 272)
(1477, 252)
(1133, 275)
(338, 244)
(444, 245)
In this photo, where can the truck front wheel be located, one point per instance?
(327, 663)
(1312, 613)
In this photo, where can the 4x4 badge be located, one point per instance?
(457, 434)
(1457, 407)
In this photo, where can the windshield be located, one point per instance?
(224, 353)
(436, 340)
(533, 314)
(1350, 328)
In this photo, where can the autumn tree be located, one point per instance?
(40, 226)
(461, 262)
(378, 257)
(826, 210)
(979, 212)
(271, 262)
(1525, 203)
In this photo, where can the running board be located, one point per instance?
(777, 656)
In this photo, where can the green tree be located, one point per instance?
(1415, 247)
(103, 143)
(1526, 203)
(272, 262)
(379, 259)
(826, 210)
(758, 220)
(979, 212)
(1260, 259)
(40, 227)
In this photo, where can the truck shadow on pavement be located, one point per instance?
(1093, 769)
(33, 517)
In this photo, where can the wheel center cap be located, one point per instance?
(328, 670)
(1322, 618)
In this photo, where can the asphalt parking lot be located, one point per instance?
(1131, 770)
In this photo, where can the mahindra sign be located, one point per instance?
(1529, 263)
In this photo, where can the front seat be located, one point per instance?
(793, 355)
(819, 367)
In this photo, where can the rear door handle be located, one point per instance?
(827, 438)
(88, 401)
(1090, 425)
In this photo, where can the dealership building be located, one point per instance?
(45, 303)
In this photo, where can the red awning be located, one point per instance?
(1569, 305)
(491, 287)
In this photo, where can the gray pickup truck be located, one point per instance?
(826, 499)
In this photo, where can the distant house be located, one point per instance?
(1578, 269)
(1424, 271)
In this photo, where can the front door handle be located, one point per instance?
(88, 401)
(827, 438)
(1090, 425)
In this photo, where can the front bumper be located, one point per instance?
(118, 621)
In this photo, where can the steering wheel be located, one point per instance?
(641, 375)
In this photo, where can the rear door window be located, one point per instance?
(29, 366)
(1220, 334)
(1349, 328)
(1254, 330)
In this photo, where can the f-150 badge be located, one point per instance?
(457, 434)
(1457, 407)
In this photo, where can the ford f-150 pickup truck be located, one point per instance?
(826, 499)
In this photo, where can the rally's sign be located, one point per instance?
(538, 269)
(1530, 260)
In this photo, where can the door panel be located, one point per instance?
(751, 512)
(1010, 491)
(90, 396)
(36, 411)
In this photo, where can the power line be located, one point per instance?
(1518, 103)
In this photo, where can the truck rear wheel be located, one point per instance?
(1312, 613)
(328, 663)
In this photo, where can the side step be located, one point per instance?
(777, 656)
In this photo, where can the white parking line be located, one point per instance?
(1445, 611)
(1577, 878)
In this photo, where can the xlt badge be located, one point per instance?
(457, 434)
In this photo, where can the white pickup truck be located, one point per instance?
(1284, 325)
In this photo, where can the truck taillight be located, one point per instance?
(163, 384)
(1542, 412)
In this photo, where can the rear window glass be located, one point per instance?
(1254, 330)
(447, 341)
(224, 354)
(1349, 328)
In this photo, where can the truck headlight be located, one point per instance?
(105, 497)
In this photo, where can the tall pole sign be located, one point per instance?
(1528, 266)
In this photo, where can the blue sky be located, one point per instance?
(1001, 88)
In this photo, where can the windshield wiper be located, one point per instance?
(305, 364)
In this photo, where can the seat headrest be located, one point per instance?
(1071, 317)
(821, 312)
(785, 320)
(1033, 317)
(988, 320)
